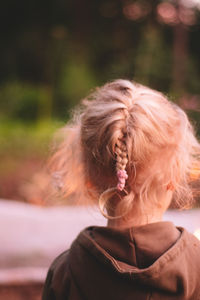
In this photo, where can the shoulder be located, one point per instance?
(191, 263)
(60, 262)
(190, 250)
(58, 278)
(189, 238)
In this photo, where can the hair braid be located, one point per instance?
(121, 155)
(121, 162)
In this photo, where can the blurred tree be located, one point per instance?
(54, 51)
(63, 48)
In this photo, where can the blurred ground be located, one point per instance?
(31, 237)
(21, 292)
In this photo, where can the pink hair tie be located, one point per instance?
(122, 176)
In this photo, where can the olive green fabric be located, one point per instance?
(154, 261)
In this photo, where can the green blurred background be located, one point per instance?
(53, 52)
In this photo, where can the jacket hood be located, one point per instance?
(155, 259)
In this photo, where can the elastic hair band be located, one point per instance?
(122, 176)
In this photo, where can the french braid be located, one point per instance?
(121, 162)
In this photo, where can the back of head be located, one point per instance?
(131, 141)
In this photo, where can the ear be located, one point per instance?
(170, 186)
(89, 184)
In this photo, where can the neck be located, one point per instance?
(135, 221)
(139, 218)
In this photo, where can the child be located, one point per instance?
(129, 150)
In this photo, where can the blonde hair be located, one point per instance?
(126, 126)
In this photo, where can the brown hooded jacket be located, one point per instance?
(150, 262)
